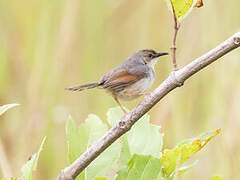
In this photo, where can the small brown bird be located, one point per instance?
(130, 79)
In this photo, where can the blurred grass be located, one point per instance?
(46, 46)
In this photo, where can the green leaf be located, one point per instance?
(144, 138)
(184, 169)
(125, 155)
(77, 140)
(31, 165)
(4, 108)
(140, 167)
(105, 162)
(95, 128)
(122, 174)
(216, 177)
(114, 115)
(185, 149)
(181, 8)
(81, 138)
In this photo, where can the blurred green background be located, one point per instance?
(46, 46)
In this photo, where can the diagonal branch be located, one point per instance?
(175, 79)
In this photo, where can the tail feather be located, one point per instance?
(83, 87)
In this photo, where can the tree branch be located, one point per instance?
(175, 79)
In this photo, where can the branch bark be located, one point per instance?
(175, 79)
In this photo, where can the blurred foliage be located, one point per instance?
(216, 177)
(29, 167)
(46, 46)
(4, 108)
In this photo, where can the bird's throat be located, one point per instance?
(152, 63)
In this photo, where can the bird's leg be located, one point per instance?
(116, 99)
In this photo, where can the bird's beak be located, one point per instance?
(161, 54)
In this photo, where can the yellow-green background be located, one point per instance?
(47, 45)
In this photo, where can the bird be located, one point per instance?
(131, 79)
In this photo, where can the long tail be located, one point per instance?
(82, 87)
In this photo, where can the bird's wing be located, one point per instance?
(118, 79)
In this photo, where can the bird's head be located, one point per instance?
(150, 56)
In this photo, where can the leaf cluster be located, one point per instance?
(138, 154)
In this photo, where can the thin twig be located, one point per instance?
(174, 80)
(173, 48)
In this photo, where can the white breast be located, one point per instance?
(138, 88)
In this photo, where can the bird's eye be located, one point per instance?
(150, 55)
